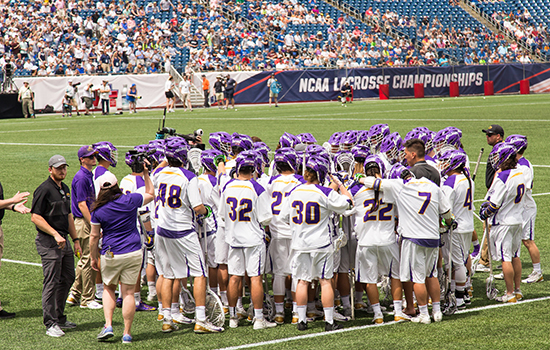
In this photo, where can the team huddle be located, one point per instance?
(367, 211)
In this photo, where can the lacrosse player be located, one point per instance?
(504, 205)
(308, 209)
(244, 208)
(178, 248)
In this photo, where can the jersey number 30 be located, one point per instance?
(311, 211)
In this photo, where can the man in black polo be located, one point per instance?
(415, 152)
(51, 213)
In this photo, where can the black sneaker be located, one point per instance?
(332, 326)
(5, 315)
(302, 326)
(67, 325)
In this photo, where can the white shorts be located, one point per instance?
(180, 257)
(347, 257)
(247, 259)
(461, 247)
(529, 216)
(222, 248)
(279, 256)
(505, 242)
(417, 262)
(374, 261)
(211, 258)
(151, 257)
(336, 258)
(317, 264)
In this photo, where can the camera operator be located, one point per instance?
(8, 71)
(88, 97)
(26, 97)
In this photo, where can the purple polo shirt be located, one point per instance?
(118, 220)
(82, 189)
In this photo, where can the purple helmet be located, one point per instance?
(362, 137)
(398, 171)
(176, 147)
(375, 161)
(454, 129)
(452, 160)
(245, 158)
(343, 160)
(129, 159)
(318, 165)
(376, 134)
(317, 151)
(348, 139)
(286, 155)
(262, 148)
(334, 139)
(416, 134)
(519, 141)
(306, 138)
(260, 164)
(241, 140)
(501, 152)
(391, 146)
(207, 159)
(158, 147)
(220, 141)
(288, 140)
(107, 151)
(447, 137)
(360, 152)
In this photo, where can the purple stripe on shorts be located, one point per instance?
(358, 279)
(260, 265)
(202, 267)
(433, 269)
(391, 263)
(501, 253)
(187, 263)
(411, 272)
(531, 233)
(323, 273)
(173, 234)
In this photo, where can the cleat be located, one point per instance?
(119, 302)
(332, 326)
(461, 306)
(400, 317)
(467, 299)
(55, 331)
(295, 318)
(438, 316)
(241, 313)
(482, 268)
(507, 298)
(144, 307)
(499, 276)
(160, 317)
(206, 327)
(181, 319)
(534, 277)
(339, 317)
(361, 305)
(519, 294)
(314, 313)
(263, 324)
(302, 326)
(126, 339)
(279, 319)
(378, 318)
(168, 327)
(67, 325)
(422, 318)
(72, 300)
(347, 311)
(476, 251)
(4, 315)
(92, 305)
(106, 333)
(233, 322)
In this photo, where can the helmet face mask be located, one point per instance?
(451, 160)
(391, 146)
(376, 134)
(288, 156)
(374, 161)
(207, 159)
(501, 152)
(319, 166)
(221, 141)
(176, 148)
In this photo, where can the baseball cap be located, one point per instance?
(86, 151)
(107, 180)
(494, 129)
(57, 161)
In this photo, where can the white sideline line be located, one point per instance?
(314, 335)
(534, 195)
(21, 262)
(30, 130)
(50, 144)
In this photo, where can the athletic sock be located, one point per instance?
(280, 308)
(294, 307)
(259, 314)
(436, 307)
(329, 314)
(175, 309)
(376, 308)
(223, 297)
(166, 312)
(345, 301)
(152, 288)
(214, 289)
(398, 306)
(200, 311)
(476, 242)
(536, 267)
(358, 296)
(240, 303)
(302, 309)
(232, 311)
(423, 309)
(137, 297)
(160, 307)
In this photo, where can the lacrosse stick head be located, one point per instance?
(490, 288)
(449, 306)
(343, 161)
(214, 309)
(194, 157)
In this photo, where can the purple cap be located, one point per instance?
(86, 151)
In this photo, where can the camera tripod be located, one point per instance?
(8, 85)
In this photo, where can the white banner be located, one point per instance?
(51, 90)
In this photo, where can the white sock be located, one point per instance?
(279, 308)
(398, 306)
(160, 306)
(345, 301)
(137, 297)
(214, 289)
(99, 287)
(175, 309)
(294, 307)
(436, 307)
(302, 309)
(358, 296)
(259, 314)
(166, 312)
(476, 242)
(240, 303)
(232, 312)
(423, 309)
(200, 312)
(152, 288)
(223, 297)
(536, 267)
(329, 314)
(376, 308)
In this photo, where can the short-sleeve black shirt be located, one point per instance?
(53, 203)
(423, 169)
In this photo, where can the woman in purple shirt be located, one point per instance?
(114, 217)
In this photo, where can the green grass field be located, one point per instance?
(26, 146)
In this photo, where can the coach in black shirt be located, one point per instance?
(51, 213)
(495, 134)
(415, 152)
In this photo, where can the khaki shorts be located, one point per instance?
(219, 96)
(123, 268)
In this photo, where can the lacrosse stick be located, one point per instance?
(490, 289)
(449, 306)
(194, 157)
(475, 261)
(347, 221)
(477, 164)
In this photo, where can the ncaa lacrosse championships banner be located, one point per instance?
(324, 85)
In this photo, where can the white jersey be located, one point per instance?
(177, 195)
(245, 208)
(457, 189)
(168, 85)
(420, 203)
(528, 174)
(308, 208)
(97, 172)
(263, 180)
(507, 192)
(373, 228)
(136, 184)
(208, 188)
(279, 187)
